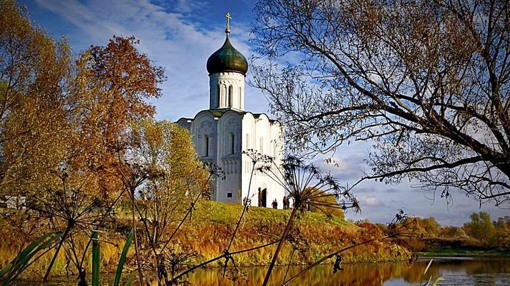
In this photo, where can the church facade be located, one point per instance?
(222, 132)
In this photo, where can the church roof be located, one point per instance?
(227, 58)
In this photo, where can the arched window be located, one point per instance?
(230, 96)
(218, 90)
(261, 148)
(206, 145)
(225, 96)
(247, 144)
(232, 143)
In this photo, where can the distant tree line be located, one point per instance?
(481, 232)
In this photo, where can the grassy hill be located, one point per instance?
(314, 236)
(209, 232)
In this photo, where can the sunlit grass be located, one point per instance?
(209, 232)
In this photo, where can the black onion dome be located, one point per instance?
(227, 59)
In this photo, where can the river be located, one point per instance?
(461, 271)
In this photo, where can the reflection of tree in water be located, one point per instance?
(491, 265)
(352, 274)
(413, 273)
(362, 273)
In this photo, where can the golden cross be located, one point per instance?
(228, 19)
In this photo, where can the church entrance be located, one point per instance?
(262, 197)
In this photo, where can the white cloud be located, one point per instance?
(169, 37)
(370, 201)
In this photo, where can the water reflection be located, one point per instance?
(456, 271)
(464, 271)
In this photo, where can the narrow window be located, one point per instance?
(225, 96)
(217, 96)
(261, 145)
(232, 143)
(230, 95)
(206, 145)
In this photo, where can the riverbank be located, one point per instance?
(209, 232)
(462, 246)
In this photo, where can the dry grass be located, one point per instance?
(210, 230)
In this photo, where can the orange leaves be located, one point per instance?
(122, 70)
(56, 111)
(114, 81)
(34, 101)
(120, 78)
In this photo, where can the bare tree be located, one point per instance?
(426, 81)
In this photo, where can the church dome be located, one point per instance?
(227, 59)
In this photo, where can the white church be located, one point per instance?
(222, 132)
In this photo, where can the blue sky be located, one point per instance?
(180, 35)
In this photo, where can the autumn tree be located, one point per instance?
(174, 181)
(66, 126)
(482, 228)
(502, 236)
(39, 95)
(452, 232)
(63, 121)
(117, 80)
(426, 81)
(36, 96)
(57, 113)
(174, 174)
(121, 79)
(431, 226)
